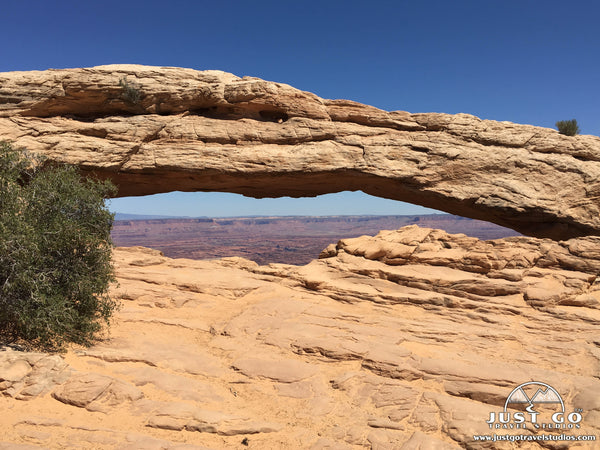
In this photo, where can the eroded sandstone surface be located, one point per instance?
(157, 129)
(404, 340)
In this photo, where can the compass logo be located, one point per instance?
(537, 405)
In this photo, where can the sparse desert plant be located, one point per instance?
(131, 92)
(55, 253)
(568, 127)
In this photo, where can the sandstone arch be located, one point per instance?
(213, 131)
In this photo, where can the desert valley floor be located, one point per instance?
(290, 240)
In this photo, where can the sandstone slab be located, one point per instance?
(408, 339)
(277, 369)
(96, 392)
(26, 375)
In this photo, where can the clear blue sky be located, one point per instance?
(525, 61)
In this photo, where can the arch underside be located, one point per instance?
(533, 222)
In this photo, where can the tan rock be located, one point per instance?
(421, 441)
(26, 375)
(96, 392)
(178, 417)
(15, 371)
(212, 130)
(12, 446)
(284, 371)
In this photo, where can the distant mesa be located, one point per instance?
(209, 130)
(127, 216)
(290, 240)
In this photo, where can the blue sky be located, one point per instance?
(525, 61)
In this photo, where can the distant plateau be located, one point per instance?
(288, 239)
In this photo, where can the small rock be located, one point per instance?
(16, 371)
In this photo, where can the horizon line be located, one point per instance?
(161, 216)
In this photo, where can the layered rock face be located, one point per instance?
(405, 340)
(154, 129)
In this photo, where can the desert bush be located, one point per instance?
(55, 253)
(568, 127)
(131, 92)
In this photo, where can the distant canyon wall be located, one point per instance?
(157, 129)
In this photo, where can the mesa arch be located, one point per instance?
(213, 131)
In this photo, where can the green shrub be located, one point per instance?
(568, 127)
(55, 253)
(131, 93)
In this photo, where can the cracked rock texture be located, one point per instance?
(157, 129)
(405, 340)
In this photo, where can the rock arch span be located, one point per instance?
(193, 130)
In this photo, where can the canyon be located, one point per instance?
(293, 240)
